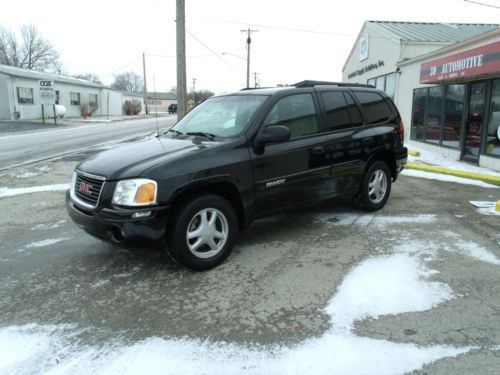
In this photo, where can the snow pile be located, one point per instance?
(447, 178)
(8, 192)
(429, 157)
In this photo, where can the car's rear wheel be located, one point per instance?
(376, 186)
(203, 231)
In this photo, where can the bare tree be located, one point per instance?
(128, 81)
(88, 77)
(30, 51)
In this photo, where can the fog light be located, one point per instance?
(138, 215)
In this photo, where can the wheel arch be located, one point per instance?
(386, 156)
(221, 187)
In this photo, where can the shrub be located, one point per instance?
(132, 107)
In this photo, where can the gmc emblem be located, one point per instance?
(85, 188)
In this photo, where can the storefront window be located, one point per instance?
(418, 115)
(453, 115)
(434, 114)
(390, 84)
(385, 83)
(493, 140)
(380, 83)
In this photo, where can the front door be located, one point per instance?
(474, 122)
(296, 171)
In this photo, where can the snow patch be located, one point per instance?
(429, 157)
(368, 219)
(476, 251)
(385, 285)
(389, 284)
(8, 192)
(447, 178)
(49, 225)
(485, 208)
(47, 242)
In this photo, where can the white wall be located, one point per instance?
(9, 102)
(381, 48)
(4, 98)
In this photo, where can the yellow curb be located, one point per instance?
(490, 179)
(497, 206)
(413, 153)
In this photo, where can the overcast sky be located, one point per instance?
(295, 40)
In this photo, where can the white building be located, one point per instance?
(444, 78)
(20, 95)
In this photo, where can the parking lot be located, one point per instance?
(327, 289)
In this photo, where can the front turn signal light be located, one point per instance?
(145, 194)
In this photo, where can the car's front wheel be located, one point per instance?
(376, 186)
(203, 231)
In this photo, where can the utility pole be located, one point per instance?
(249, 41)
(255, 74)
(194, 92)
(181, 59)
(145, 86)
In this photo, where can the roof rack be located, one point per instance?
(309, 83)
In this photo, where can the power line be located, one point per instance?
(274, 27)
(211, 50)
(122, 67)
(483, 4)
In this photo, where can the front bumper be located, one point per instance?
(118, 227)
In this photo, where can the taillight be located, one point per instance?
(402, 132)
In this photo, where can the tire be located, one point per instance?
(203, 232)
(375, 188)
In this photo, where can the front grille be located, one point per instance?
(88, 189)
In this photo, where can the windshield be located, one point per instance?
(223, 116)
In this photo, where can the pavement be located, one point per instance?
(265, 307)
(20, 126)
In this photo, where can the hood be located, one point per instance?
(132, 159)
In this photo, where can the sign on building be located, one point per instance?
(47, 94)
(479, 61)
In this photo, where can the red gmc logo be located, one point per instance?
(85, 188)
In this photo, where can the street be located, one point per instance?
(18, 149)
(323, 290)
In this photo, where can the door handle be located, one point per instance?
(318, 150)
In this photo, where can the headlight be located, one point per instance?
(136, 192)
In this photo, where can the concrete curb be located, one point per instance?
(414, 153)
(490, 179)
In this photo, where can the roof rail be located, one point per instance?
(309, 83)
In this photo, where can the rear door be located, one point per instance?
(296, 171)
(346, 140)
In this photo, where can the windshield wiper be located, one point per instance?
(175, 131)
(203, 134)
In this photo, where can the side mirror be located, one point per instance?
(275, 134)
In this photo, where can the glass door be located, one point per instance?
(474, 122)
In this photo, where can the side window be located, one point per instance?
(356, 117)
(337, 113)
(297, 112)
(374, 106)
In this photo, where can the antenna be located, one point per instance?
(156, 109)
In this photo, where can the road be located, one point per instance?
(23, 148)
(267, 308)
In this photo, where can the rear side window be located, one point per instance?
(354, 110)
(374, 106)
(337, 113)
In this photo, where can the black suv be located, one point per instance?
(240, 157)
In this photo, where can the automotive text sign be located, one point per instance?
(476, 62)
